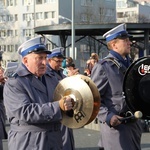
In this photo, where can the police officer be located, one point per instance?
(3, 133)
(108, 75)
(28, 95)
(54, 68)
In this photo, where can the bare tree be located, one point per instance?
(101, 14)
(6, 34)
(106, 15)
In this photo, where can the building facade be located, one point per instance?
(133, 11)
(18, 18)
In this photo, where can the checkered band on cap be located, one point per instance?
(117, 32)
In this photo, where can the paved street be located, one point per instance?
(87, 139)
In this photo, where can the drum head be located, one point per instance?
(136, 86)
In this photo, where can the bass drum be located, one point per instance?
(136, 86)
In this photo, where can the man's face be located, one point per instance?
(122, 46)
(55, 63)
(36, 63)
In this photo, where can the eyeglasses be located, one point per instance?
(58, 61)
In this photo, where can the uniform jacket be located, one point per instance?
(108, 77)
(57, 74)
(33, 115)
(3, 133)
(67, 133)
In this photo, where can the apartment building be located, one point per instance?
(18, 18)
(133, 11)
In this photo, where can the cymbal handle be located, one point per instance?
(70, 113)
(73, 100)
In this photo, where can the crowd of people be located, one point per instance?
(94, 58)
(35, 118)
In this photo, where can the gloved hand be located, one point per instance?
(114, 121)
(66, 103)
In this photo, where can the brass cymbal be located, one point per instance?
(96, 96)
(86, 98)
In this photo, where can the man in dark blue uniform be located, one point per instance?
(54, 68)
(33, 114)
(3, 133)
(108, 75)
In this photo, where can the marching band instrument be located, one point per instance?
(86, 99)
(136, 86)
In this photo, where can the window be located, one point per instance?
(38, 1)
(121, 4)
(9, 2)
(2, 33)
(16, 47)
(86, 2)
(10, 48)
(28, 32)
(120, 15)
(3, 48)
(24, 17)
(9, 32)
(110, 12)
(47, 15)
(53, 14)
(102, 11)
(28, 17)
(50, 14)
(39, 15)
(9, 17)
(16, 17)
(2, 18)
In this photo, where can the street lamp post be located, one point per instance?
(62, 17)
(34, 12)
(73, 29)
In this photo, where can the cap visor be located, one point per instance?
(47, 52)
(124, 37)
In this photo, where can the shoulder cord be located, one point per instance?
(119, 66)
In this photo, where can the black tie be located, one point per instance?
(42, 79)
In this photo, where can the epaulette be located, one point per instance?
(14, 75)
(106, 59)
(120, 67)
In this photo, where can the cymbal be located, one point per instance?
(85, 107)
(96, 96)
